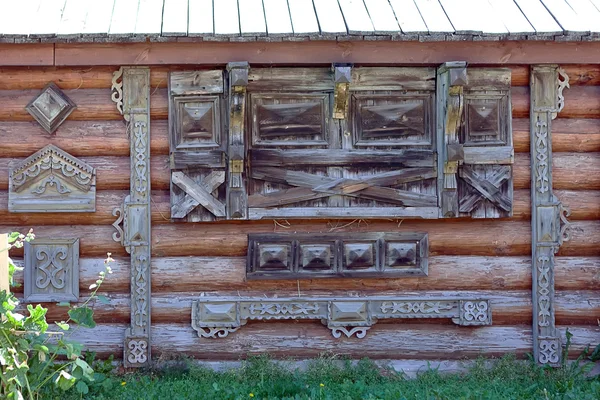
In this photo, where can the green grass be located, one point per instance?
(260, 378)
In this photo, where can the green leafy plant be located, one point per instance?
(33, 357)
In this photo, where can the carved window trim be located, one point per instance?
(349, 316)
(51, 263)
(289, 256)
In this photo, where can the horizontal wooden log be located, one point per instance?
(568, 135)
(79, 138)
(304, 340)
(476, 237)
(579, 74)
(106, 201)
(92, 104)
(99, 77)
(571, 171)
(580, 102)
(445, 273)
(508, 307)
(30, 54)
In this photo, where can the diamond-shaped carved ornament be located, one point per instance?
(51, 107)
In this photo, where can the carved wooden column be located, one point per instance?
(135, 214)
(548, 216)
(237, 202)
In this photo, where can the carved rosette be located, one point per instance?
(350, 317)
(131, 93)
(549, 215)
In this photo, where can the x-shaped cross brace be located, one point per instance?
(485, 188)
(198, 194)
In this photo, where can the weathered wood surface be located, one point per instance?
(78, 138)
(95, 104)
(31, 54)
(572, 171)
(92, 104)
(384, 341)
(321, 51)
(487, 238)
(508, 307)
(446, 273)
(108, 138)
(100, 77)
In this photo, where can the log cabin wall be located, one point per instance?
(468, 258)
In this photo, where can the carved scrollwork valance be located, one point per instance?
(216, 318)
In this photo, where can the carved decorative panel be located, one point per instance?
(197, 122)
(392, 120)
(353, 316)
(51, 270)
(289, 119)
(51, 180)
(475, 139)
(296, 256)
(51, 107)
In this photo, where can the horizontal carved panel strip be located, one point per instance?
(297, 256)
(217, 317)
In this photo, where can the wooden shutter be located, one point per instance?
(474, 106)
(339, 143)
(197, 117)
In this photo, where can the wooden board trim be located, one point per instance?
(324, 52)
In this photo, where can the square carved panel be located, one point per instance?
(485, 119)
(392, 120)
(197, 122)
(304, 255)
(51, 107)
(51, 270)
(289, 119)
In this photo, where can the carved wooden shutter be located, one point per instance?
(197, 117)
(341, 143)
(475, 133)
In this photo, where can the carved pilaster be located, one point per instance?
(237, 202)
(135, 213)
(548, 217)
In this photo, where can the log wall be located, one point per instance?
(479, 258)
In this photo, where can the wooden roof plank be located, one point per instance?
(382, 16)
(304, 19)
(539, 17)
(200, 18)
(124, 18)
(357, 17)
(73, 18)
(175, 18)
(434, 16)
(16, 18)
(487, 19)
(46, 21)
(226, 17)
(99, 17)
(149, 19)
(587, 13)
(512, 17)
(252, 18)
(459, 12)
(408, 16)
(277, 17)
(565, 15)
(330, 17)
